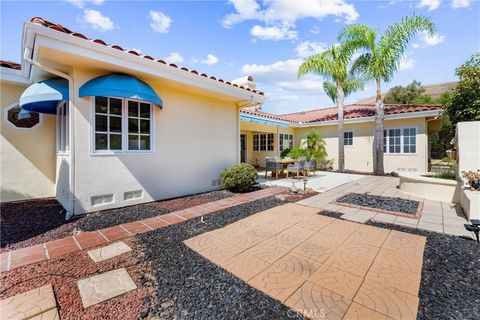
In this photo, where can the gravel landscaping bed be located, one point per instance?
(384, 203)
(32, 222)
(64, 272)
(450, 286)
(113, 217)
(191, 287)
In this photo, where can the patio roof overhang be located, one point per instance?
(262, 120)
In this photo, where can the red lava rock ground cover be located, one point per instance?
(64, 272)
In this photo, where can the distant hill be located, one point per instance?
(433, 90)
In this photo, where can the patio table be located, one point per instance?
(285, 162)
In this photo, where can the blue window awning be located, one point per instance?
(44, 96)
(120, 86)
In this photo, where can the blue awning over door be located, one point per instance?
(44, 96)
(120, 86)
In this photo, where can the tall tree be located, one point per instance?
(333, 65)
(380, 61)
(465, 102)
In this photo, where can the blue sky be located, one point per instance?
(267, 39)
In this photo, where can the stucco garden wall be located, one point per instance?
(27, 155)
(195, 138)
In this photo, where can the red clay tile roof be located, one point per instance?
(50, 25)
(356, 111)
(265, 115)
(10, 64)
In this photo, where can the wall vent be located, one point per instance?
(132, 195)
(103, 199)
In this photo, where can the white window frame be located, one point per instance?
(124, 133)
(387, 139)
(63, 128)
(263, 142)
(353, 139)
(282, 140)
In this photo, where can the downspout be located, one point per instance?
(428, 152)
(60, 74)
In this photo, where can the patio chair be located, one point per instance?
(297, 167)
(311, 166)
(271, 165)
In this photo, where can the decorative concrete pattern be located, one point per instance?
(108, 252)
(105, 286)
(38, 303)
(435, 216)
(57, 248)
(321, 267)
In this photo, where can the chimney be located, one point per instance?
(246, 81)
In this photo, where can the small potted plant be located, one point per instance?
(473, 179)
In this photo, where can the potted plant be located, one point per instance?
(473, 179)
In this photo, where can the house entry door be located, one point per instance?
(243, 148)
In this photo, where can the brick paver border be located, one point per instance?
(57, 248)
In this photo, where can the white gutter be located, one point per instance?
(26, 58)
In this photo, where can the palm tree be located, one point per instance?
(315, 146)
(332, 64)
(380, 61)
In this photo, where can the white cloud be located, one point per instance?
(283, 75)
(307, 48)
(460, 3)
(429, 4)
(82, 3)
(173, 57)
(406, 63)
(245, 10)
(315, 30)
(210, 60)
(159, 22)
(280, 16)
(273, 33)
(97, 21)
(415, 45)
(431, 40)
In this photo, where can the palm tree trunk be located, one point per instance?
(341, 148)
(378, 138)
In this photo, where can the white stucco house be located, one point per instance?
(99, 127)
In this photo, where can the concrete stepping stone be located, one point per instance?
(38, 303)
(108, 252)
(105, 286)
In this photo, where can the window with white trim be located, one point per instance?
(122, 125)
(285, 141)
(263, 142)
(400, 141)
(348, 138)
(63, 128)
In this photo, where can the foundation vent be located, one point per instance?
(103, 199)
(132, 195)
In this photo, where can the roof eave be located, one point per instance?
(125, 60)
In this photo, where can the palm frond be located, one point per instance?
(392, 45)
(352, 84)
(330, 90)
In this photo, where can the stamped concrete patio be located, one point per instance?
(319, 266)
(436, 216)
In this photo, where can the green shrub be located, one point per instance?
(239, 178)
(285, 152)
(325, 164)
(297, 152)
